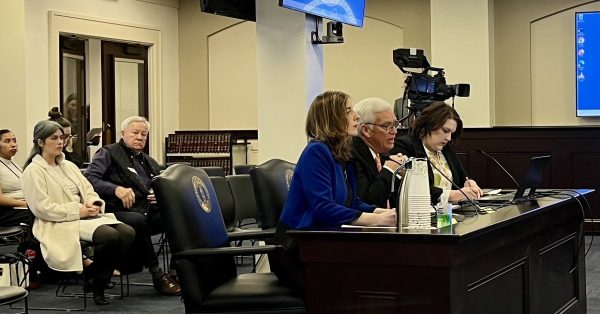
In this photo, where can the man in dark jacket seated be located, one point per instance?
(121, 174)
(377, 130)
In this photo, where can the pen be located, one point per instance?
(479, 192)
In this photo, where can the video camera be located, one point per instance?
(422, 88)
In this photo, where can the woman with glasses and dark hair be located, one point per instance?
(323, 191)
(431, 137)
(377, 129)
(70, 155)
(67, 210)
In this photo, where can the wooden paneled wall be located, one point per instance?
(575, 159)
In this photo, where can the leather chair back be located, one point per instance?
(192, 219)
(226, 201)
(242, 169)
(271, 181)
(214, 171)
(243, 196)
(189, 207)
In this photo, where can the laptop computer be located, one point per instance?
(531, 181)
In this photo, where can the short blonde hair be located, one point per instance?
(134, 119)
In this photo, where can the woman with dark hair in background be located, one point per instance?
(76, 114)
(13, 207)
(431, 137)
(70, 154)
(67, 210)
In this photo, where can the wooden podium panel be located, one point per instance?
(515, 260)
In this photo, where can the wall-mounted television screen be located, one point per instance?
(587, 63)
(350, 12)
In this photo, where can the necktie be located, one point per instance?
(379, 167)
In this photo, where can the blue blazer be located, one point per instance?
(318, 191)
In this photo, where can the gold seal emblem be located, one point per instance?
(289, 174)
(201, 192)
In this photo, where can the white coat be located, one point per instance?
(57, 224)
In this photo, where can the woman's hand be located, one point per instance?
(456, 195)
(379, 210)
(473, 185)
(88, 210)
(385, 218)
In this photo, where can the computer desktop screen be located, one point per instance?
(587, 63)
(350, 12)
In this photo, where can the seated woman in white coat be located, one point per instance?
(67, 210)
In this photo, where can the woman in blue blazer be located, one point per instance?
(323, 188)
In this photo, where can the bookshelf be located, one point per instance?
(207, 148)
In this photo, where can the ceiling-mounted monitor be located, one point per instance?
(351, 12)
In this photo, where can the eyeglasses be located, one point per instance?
(388, 127)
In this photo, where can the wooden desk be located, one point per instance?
(516, 260)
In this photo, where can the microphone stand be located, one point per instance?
(499, 165)
(469, 200)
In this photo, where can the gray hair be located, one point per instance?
(369, 107)
(134, 119)
(41, 131)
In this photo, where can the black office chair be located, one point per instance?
(271, 181)
(226, 202)
(11, 235)
(229, 212)
(242, 169)
(245, 202)
(214, 171)
(203, 257)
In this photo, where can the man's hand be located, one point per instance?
(395, 162)
(126, 195)
(152, 198)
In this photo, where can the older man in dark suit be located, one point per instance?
(377, 130)
(121, 174)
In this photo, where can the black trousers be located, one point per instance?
(15, 216)
(111, 244)
(145, 225)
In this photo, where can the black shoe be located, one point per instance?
(100, 300)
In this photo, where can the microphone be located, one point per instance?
(386, 157)
(499, 165)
